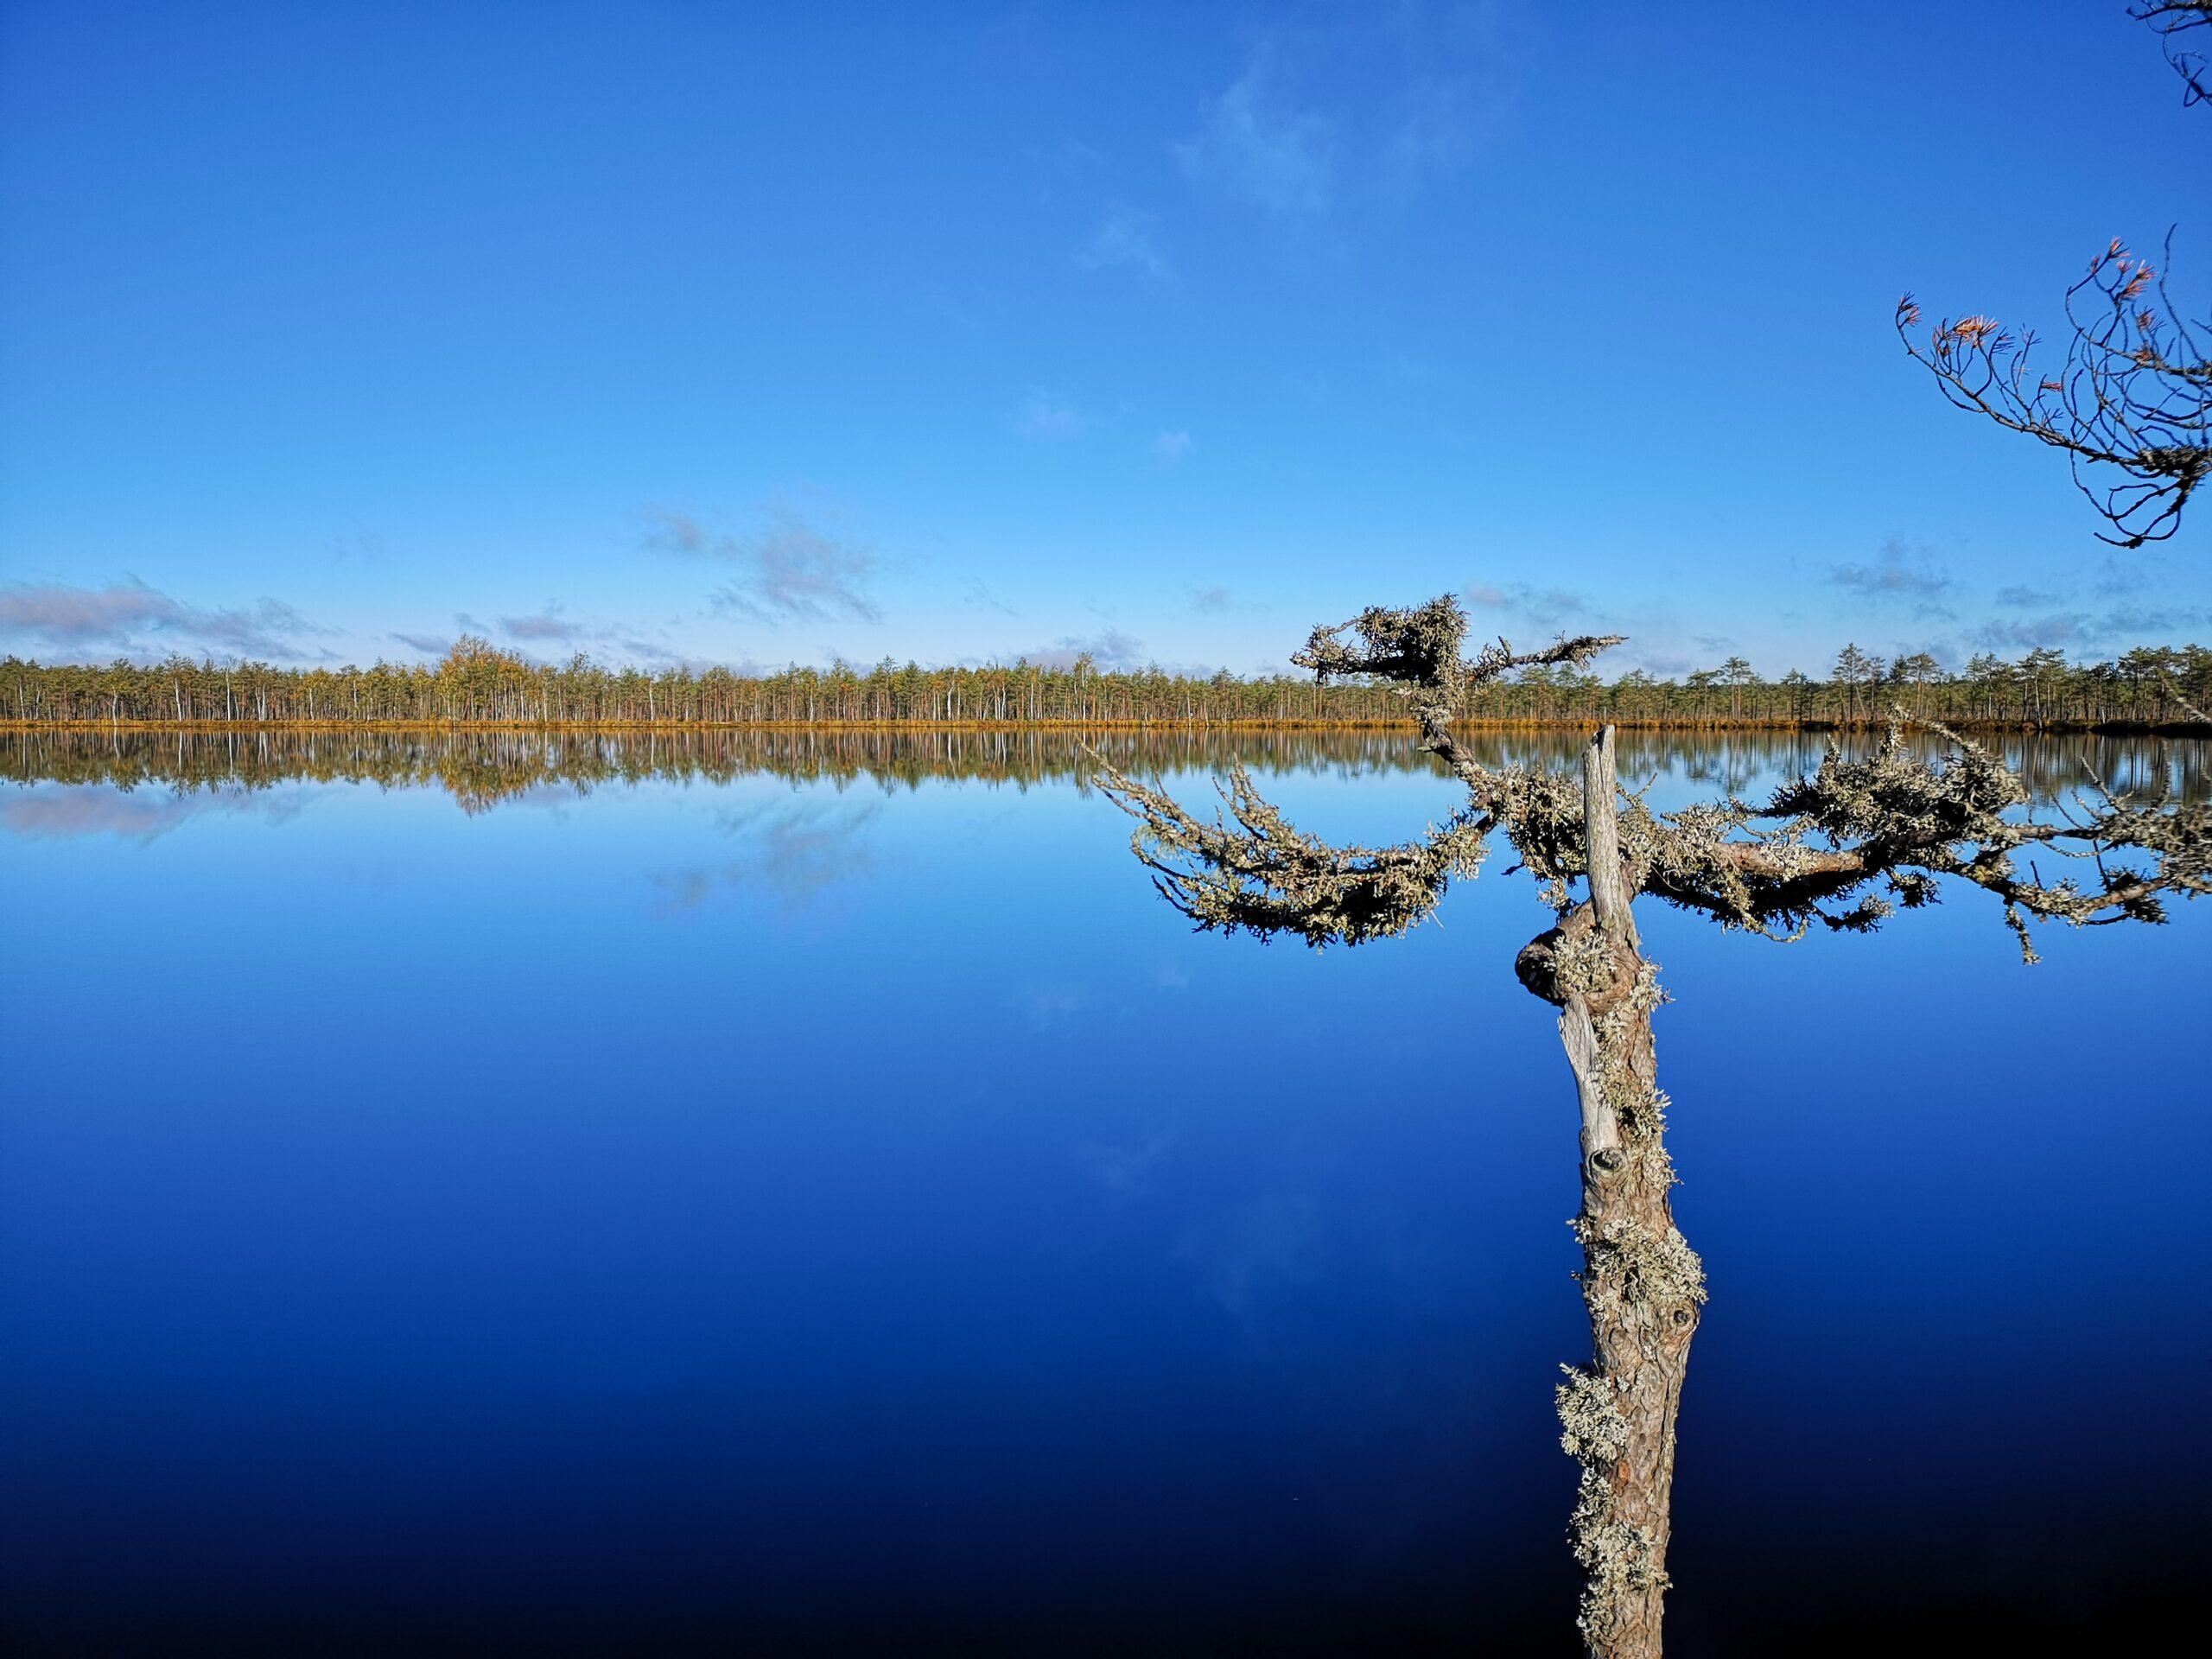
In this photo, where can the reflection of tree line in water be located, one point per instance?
(481, 768)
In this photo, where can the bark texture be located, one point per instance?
(1642, 1283)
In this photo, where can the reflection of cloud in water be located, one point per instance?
(69, 812)
(1125, 1170)
(1289, 1267)
(1047, 1008)
(554, 797)
(794, 848)
(1251, 1252)
(686, 889)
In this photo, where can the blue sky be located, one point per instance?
(768, 333)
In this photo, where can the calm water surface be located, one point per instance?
(806, 1194)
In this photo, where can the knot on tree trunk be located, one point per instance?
(1576, 961)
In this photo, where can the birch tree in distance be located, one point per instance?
(1841, 848)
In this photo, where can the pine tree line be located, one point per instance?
(477, 684)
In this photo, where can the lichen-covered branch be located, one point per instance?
(1897, 817)
(1843, 848)
(1418, 652)
(1853, 842)
(1252, 871)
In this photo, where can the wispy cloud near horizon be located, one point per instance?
(1108, 648)
(979, 595)
(546, 624)
(1541, 607)
(2114, 628)
(1900, 574)
(136, 618)
(788, 570)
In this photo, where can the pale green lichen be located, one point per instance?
(1639, 1107)
(1253, 871)
(1620, 1560)
(1582, 965)
(1593, 1430)
(1649, 1269)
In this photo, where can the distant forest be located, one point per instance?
(477, 684)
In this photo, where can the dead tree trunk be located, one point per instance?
(1642, 1284)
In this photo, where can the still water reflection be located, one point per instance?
(801, 1192)
(481, 768)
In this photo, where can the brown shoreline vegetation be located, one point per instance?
(2180, 726)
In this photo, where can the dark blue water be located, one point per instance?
(838, 1209)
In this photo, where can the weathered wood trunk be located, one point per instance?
(1642, 1285)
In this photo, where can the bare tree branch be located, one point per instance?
(1252, 871)
(2133, 395)
(2176, 22)
(2132, 398)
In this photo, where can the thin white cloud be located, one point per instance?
(1109, 648)
(1126, 239)
(551, 627)
(788, 570)
(1899, 572)
(1402, 101)
(1047, 416)
(982, 598)
(365, 548)
(136, 618)
(546, 624)
(1255, 144)
(2114, 629)
(1433, 138)
(1542, 607)
(1461, 68)
(1171, 447)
